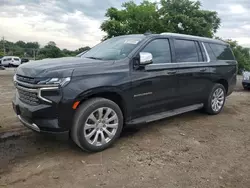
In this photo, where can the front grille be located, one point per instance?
(27, 96)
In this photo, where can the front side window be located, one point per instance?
(185, 51)
(115, 48)
(160, 50)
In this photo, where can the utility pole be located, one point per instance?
(4, 46)
(34, 53)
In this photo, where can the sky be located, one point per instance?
(76, 23)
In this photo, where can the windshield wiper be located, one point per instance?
(95, 58)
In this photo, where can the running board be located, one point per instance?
(166, 114)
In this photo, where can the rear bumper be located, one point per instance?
(40, 118)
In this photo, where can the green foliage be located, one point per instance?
(33, 49)
(241, 54)
(51, 51)
(178, 16)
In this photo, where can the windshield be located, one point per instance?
(115, 48)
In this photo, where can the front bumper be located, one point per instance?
(40, 118)
(246, 83)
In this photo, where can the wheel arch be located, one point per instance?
(223, 82)
(111, 93)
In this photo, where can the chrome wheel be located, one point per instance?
(101, 126)
(218, 99)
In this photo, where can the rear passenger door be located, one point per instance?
(194, 71)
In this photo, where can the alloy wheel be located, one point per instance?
(218, 99)
(101, 126)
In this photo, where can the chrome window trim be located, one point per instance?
(204, 47)
(179, 63)
(182, 63)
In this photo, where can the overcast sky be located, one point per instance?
(76, 23)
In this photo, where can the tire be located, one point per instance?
(220, 101)
(84, 124)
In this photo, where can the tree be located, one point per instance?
(52, 43)
(21, 44)
(178, 16)
(82, 49)
(50, 51)
(34, 45)
(242, 55)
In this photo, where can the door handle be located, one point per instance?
(203, 69)
(171, 72)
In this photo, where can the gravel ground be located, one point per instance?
(190, 150)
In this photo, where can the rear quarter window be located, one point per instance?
(220, 52)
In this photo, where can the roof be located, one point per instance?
(10, 57)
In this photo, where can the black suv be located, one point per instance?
(125, 80)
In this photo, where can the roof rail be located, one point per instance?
(191, 36)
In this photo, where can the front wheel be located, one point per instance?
(216, 99)
(98, 123)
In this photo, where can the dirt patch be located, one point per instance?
(190, 150)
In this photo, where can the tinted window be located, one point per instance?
(186, 51)
(210, 52)
(160, 50)
(222, 52)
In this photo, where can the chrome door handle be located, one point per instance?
(203, 69)
(171, 72)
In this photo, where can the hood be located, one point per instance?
(246, 73)
(60, 67)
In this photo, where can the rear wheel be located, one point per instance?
(216, 99)
(97, 124)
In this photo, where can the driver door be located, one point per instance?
(155, 86)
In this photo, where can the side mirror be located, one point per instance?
(146, 58)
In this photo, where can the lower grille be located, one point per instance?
(28, 97)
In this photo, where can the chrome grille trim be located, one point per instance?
(34, 88)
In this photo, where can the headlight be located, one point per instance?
(246, 76)
(55, 81)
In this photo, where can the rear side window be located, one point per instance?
(186, 51)
(16, 59)
(220, 52)
(160, 50)
(210, 52)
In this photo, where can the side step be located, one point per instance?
(166, 114)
